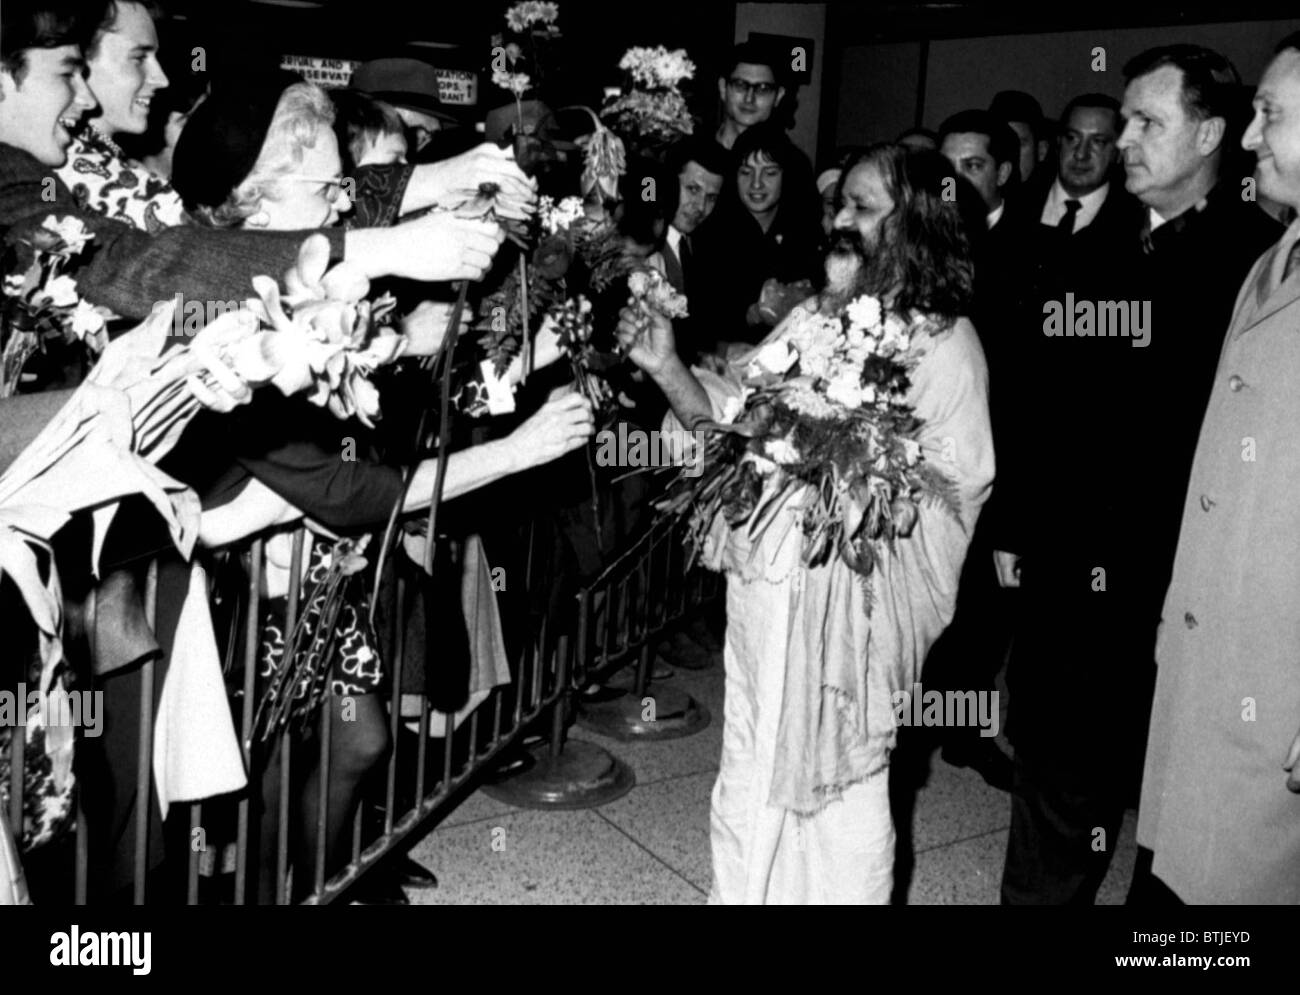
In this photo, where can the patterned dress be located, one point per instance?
(336, 643)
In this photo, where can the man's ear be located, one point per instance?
(1209, 135)
(1004, 174)
(1043, 146)
(722, 89)
(780, 96)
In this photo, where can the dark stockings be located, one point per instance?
(358, 742)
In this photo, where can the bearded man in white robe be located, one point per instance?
(800, 811)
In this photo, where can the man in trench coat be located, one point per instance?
(1218, 807)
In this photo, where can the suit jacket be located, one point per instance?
(1020, 263)
(1094, 489)
(130, 271)
(1215, 808)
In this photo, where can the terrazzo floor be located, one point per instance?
(652, 845)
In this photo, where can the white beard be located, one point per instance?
(842, 272)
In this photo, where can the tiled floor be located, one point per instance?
(652, 845)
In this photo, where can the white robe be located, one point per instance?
(786, 623)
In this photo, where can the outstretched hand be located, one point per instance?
(441, 246)
(647, 338)
(461, 178)
(559, 426)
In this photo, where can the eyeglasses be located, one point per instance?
(744, 88)
(333, 184)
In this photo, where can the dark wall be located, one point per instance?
(879, 89)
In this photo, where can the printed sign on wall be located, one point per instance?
(455, 86)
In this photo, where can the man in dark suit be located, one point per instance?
(700, 167)
(986, 152)
(1107, 419)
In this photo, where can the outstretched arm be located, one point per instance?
(648, 339)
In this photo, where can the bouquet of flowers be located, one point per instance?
(651, 111)
(562, 236)
(41, 307)
(824, 411)
(323, 344)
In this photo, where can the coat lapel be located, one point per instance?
(1264, 300)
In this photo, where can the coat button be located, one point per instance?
(1190, 619)
(1207, 503)
(1235, 383)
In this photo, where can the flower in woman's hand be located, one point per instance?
(62, 291)
(87, 323)
(70, 231)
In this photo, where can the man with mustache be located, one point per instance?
(1221, 790)
(1094, 489)
(800, 811)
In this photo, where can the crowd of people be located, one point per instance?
(1115, 537)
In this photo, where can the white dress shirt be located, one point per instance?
(1089, 205)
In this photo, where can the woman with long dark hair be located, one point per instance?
(767, 227)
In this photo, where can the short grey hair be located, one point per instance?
(303, 113)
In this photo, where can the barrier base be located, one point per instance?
(674, 714)
(584, 775)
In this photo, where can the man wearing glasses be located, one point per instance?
(750, 91)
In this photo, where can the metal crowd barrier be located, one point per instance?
(642, 595)
(615, 622)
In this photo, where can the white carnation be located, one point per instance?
(62, 291)
(775, 357)
(781, 451)
(864, 312)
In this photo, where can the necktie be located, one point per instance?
(1066, 224)
(1292, 261)
(684, 248)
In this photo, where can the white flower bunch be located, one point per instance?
(649, 289)
(523, 16)
(657, 68)
(516, 83)
(557, 217)
(831, 351)
(782, 452)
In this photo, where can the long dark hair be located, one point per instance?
(925, 252)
